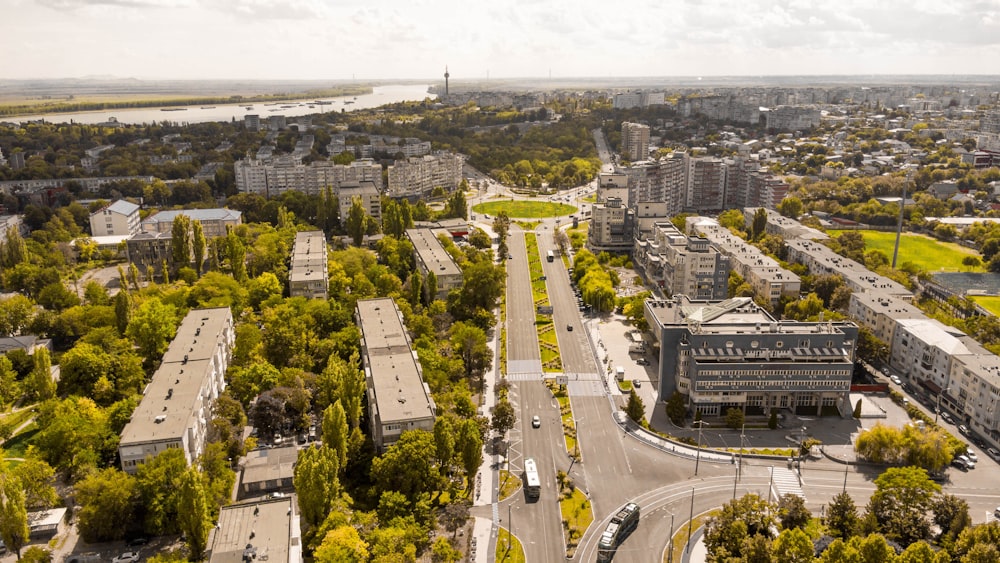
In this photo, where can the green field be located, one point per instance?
(925, 252)
(989, 302)
(525, 209)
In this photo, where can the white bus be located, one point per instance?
(550, 256)
(532, 485)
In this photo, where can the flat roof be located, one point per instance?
(432, 254)
(309, 259)
(216, 214)
(174, 392)
(738, 315)
(269, 464)
(392, 365)
(267, 526)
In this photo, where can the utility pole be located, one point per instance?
(899, 224)
(687, 546)
(697, 459)
(670, 544)
(846, 466)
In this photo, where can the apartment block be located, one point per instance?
(398, 398)
(769, 280)
(611, 227)
(880, 313)
(307, 274)
(635, 141)
(214, 222)
(822, 260)
(792, 118)
(176, 406)
(367, 192)
(706, 184)
(430, 256)
(119, 218)
(682, 266)
(732, 353)
(417, 176)
(662, 180)
(263, 530)
(266, 179)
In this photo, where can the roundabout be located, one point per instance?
(525, 209)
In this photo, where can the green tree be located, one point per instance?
(406, 466)
(738, 520)
(758, 224)
(343, 544)
(356, 223)
(978, 544)
(236, 252)
(16, 313)
(158, 482)
(262, 288)
(180, 241)
(951, 515)
(792, 512)
(336, 432)
(469, 342)
(676, 409)
(792, 546)
(107, 499)
(36, 554)
(316, 482)
(152, 327)
(13, 514)
(443, 552)
(791, 206)
(842, 516)
(198, 244)
(9, 387)
(901, 503)
(469, 444)
(123, 310)
(444, 442)
(504, 416)
(735, 418)
(40, 384)
(635, 409)
(193, 513)
(14, 251)
(431, 285)
(37, 479)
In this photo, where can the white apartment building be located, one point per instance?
(120, 218)
(176, 406)
(682, 266)
(268, 180)
(635, 141)
(370, 197)
(822, 260)
(418, 176)
(307, 274)
(431, 256)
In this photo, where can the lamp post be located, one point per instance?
(937, 406)
(697, 459)
(670, 544)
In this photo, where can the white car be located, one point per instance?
(536, 422)
(895, 379)
(127, 557)
(972, 455)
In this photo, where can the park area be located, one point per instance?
(525, 209)
(924, 252)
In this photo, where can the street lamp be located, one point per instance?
(937, 407)
(697, 459)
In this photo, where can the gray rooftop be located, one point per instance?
(216, 214)
(266, 525)
(399, 389)
(732, 316)
(174, 392)
(309, 259)
(270, 464)
(432, 254)
(123, 207)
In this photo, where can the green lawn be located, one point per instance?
(509, 483)
(577, 515)
(680, 537)
(990, 302)
(925, 252)
(509, 548)
(525, 209)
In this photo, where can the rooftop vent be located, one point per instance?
(170, 393)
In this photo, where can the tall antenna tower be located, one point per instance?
(446, 75)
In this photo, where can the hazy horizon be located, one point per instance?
(521, 39)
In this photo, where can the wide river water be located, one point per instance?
(380, 95)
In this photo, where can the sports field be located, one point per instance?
(925, 252)
(525, 209)
(989, 302)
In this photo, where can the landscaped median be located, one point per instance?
(680, 538)
(566, 414)
(576, 512)
(509, 548)
(548, 344)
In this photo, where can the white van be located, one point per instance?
(620, 373)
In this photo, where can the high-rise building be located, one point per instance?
(418, 176)
(252, 122)
(635, 141)
(706, 184)
(682, 266)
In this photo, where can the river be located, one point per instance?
(380, 95)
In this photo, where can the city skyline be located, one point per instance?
(416, 39)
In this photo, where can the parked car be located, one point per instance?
(992, 452)
(127, 557)
(969, 464)
(636, 383)
(569, 328)
(972, 455)
(642, 362)
(947, 418)
(963, 429)
(895, 379)
(996, 513)
(959, 463)
(136, 542)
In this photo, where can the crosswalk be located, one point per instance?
(785, 481)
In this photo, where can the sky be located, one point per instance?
(476, 39)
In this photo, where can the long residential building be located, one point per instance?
(398, 398)
(269, 180)
(417, 177)
(732, 353)
(431, 257)
(176, 406)
(682, 266)
(769, 279)
(214, 222)
(308, 276)
(822, 260)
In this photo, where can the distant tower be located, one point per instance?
(446, 75)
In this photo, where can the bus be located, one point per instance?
(550, 256)
(532, 485)
(622, 524)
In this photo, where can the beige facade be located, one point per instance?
(120, 218)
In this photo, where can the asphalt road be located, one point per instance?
(577, 355)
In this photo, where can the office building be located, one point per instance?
(176, 407)
(119, 218)
(635, 141)
(430, 256)
(398, 398)
(733, 354)
(682, 266)
(307, 273)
